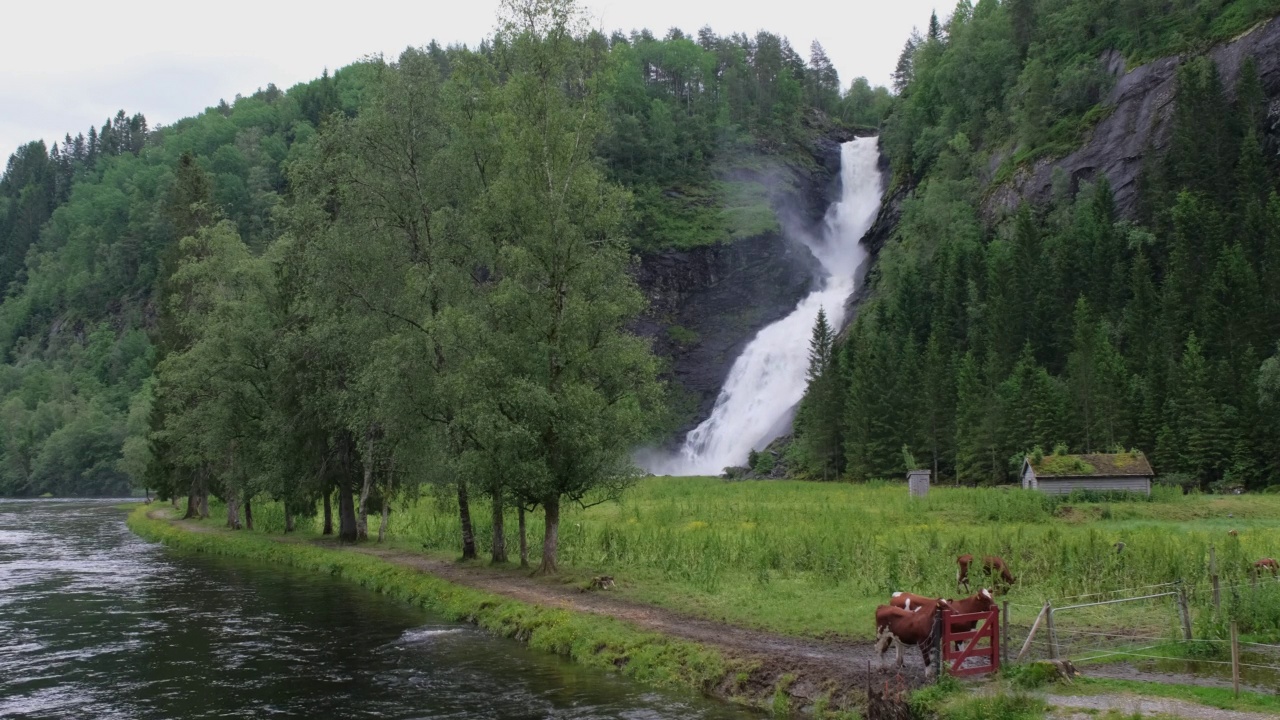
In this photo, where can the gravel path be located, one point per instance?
(1134, 704)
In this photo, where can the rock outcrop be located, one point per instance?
(706, 303)
(1140, 107)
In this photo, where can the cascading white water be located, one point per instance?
(768, 378)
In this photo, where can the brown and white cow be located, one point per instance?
(904, 627)
(1267, 564)
(992, 565)
(911, 601)
(981, 601)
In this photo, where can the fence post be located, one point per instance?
(1213, 576)
(1053, 635)
(1004, 634)
(939, 629)
(1235, 659)
(1185, 612)
(1032, 634)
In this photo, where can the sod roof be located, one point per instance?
(1092, 465)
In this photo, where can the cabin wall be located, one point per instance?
(1098, 484)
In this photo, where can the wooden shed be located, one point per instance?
(1062, 474)
(918, 482)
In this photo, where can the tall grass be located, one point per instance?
(729, 543)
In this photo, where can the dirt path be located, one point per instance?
(837, 669)
(1086, 707)
(822, 666)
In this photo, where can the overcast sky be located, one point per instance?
(67, 65)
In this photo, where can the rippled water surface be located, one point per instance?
(96, 623)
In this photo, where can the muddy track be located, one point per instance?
(838, 669)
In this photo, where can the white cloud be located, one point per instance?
(64, 71)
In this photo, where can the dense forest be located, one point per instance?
(1064, 327)
(406, 272)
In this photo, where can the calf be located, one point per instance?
(904, 627)
(994, 565)
(962, 576)
(1267, 564)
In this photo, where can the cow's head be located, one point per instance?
(987, 600)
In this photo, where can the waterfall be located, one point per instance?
(767, 380)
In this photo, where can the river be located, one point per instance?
(97, 623)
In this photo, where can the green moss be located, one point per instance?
(681, 335)
(1064, 465)
(746, 211)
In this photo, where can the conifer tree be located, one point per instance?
(819, 417)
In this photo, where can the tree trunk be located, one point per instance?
(233, 511)
(328, 512)
(362, 515)
(524, 540)
(464, 513)
(147, 491)
(386, 512)
(288, 518)
(204, 500)
(386, 498)
(499, 531)
(346, 514)
(248, 512)
(551, 536)
(193, 499)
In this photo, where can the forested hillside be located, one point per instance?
(101, 288)
(1066, 325)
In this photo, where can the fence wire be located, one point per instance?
(1091, 643)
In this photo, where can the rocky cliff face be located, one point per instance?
(1140, 107)
(705, 304)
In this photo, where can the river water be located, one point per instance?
(96, 623)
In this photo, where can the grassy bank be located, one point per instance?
(587, 639)
(816, 558)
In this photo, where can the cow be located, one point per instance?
(904, 627)
(911, 601)
(992, 565)
(1267, 564)
(981, 601)
(1233, 533)
(962, 575)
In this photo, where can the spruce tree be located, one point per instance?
(819, 417)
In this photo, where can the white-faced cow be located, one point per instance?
(1267, 564)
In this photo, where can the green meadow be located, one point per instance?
(816, 558)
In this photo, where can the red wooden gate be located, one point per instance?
(988, 628)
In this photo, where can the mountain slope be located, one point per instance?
(1070, 314)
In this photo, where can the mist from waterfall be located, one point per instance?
(768, 379)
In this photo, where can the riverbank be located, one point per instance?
(647, 644)
(762, 656)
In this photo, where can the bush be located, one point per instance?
(1031, 675)
(1183, 481)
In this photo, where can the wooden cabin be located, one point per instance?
(1063, 474)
